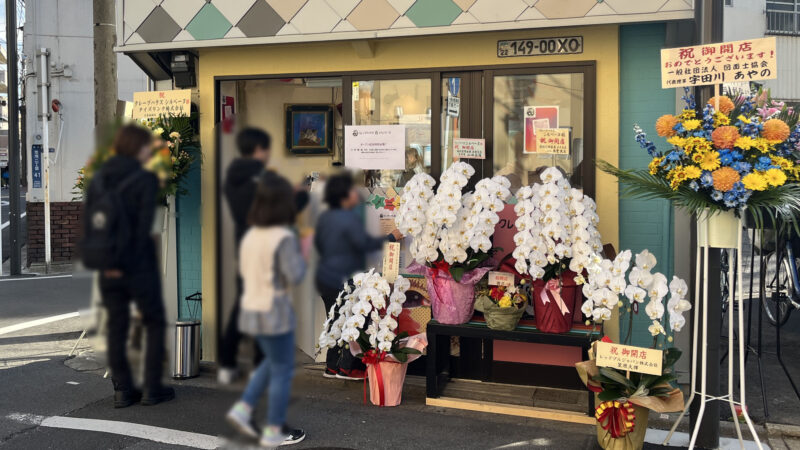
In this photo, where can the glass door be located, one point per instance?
(461, 113)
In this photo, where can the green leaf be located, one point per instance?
(457, 272)
(401, 356)
(617, 377)
(671, 356)
(610, 395)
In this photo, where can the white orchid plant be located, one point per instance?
(366, 312)
(556, 228)
(451, 230)
(608, 281)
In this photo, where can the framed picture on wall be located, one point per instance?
(309, 129)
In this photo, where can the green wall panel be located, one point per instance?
(643, 224)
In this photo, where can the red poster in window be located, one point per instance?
(537, 117)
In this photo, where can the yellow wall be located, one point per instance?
(476, 49)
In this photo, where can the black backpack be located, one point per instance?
(107, 228)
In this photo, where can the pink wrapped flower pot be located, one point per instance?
(385, 373)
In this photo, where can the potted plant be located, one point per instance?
(625, 396)
(452, 235)
(734, 155)
(364, 319)
(556, 233)
(503, 306)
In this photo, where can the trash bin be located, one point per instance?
(187, 349)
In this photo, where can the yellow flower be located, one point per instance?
(505, 301)
(677, 141)
(710, 160)
(784, 163)
(745, 143)
(754, 181)
(687, 114)
(676, 177)
(691, 124)
(158, 131)
(697, 157)
(655, 164)
(743, 118)
(762, 145)
(775, 177)
(721, 120)
(693, 172)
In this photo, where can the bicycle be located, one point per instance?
(780, 290)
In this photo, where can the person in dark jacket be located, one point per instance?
(342, 243)
(241, 180)
(137, 279)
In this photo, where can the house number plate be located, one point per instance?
(542, 46)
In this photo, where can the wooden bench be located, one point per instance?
(438, 358)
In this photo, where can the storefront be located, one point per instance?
(442, 81)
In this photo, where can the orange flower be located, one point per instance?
(775, 130)
(725, 104)
(725, 178)
(665, 125)
(725, 137)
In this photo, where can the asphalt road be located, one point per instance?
(4, 223)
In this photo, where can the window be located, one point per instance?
(397, 102)
(783, 17)
(523, 104)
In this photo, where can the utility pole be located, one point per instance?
(13, 139)
(708, 29)
(105, 66)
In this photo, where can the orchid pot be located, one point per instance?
(555, 302)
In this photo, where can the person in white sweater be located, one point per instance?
(270, 262)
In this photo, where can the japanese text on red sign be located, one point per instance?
(724, 62)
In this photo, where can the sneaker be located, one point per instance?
(352, 374)
(272, 437)
(240, 417)
(294, 435)
(123, 399)
(329, 373)
(226, 375)
(158, 395)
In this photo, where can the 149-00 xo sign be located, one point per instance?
(541, 46)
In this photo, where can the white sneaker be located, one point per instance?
(272, 438)
(226, 375)
(240, 417)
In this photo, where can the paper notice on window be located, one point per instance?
(552, 141)
(536, 117)
(375, 147)
(466, 148)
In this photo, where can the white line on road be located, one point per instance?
(36, 278)
(3, 226)
(37, 322)
(156, 434)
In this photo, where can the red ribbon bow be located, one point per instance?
(373, 357)
(616, 417)
(440, 266)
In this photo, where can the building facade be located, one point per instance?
(442, 68)
(65, 29)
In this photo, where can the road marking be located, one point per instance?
(151, 433)
(36, 278)
(74, 383)
(3, 227)
(37, 322)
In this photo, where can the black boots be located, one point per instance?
(123, 399)
(157, 395)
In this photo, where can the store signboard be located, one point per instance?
(466, 148)
(540, 46)
(723, 62)
(375, 147)
(628, 358)
(553, 141)
(154, 104)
